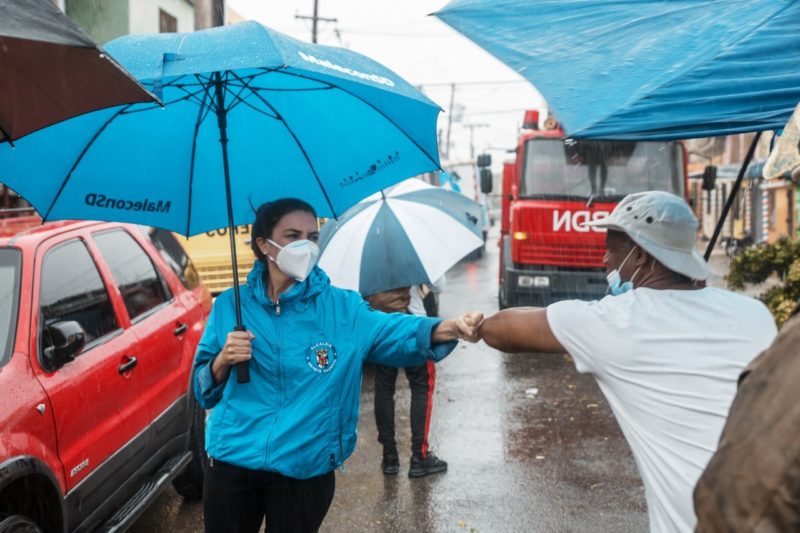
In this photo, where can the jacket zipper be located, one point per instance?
(280, 379)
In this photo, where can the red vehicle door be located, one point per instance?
(92, 396)
(159, 318)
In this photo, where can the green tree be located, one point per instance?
(758, 263)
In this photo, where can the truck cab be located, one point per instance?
(551, 189)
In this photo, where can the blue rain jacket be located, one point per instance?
(298, 414)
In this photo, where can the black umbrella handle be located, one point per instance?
(243, 368)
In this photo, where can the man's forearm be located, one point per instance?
(495, 332)
(519, 330)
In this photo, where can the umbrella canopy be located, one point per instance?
(407, 235)
(651, 69)
(250, 115)
(325, 124)
(50, 70)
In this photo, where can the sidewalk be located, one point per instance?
(718, 264)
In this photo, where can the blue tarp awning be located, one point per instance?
(647, 69)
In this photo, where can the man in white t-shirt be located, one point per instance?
(665, 350)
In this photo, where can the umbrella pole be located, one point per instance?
(732, 196)
(242, 369)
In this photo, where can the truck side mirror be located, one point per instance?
(486, 181)
(67, 339)
(484, 160)
(709, 178)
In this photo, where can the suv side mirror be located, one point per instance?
(486, 181)
(67, 340)
(709, 178)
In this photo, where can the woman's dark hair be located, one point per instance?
(268, 216)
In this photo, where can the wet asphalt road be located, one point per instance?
(546, 460)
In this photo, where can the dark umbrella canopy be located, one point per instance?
(50, 70)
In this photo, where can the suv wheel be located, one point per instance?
(18, 523)
(189, 483)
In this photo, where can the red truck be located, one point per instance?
(554, 186)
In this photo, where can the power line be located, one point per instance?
(496, 111)
(396, 34)
(462, 83)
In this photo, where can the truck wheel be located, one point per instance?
(504, 300)
(189, 483)
(17, 523)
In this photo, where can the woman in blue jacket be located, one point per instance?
(273, 443)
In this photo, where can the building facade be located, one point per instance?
(105, 20)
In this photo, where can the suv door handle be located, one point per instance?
(181, 329)
(127, 366)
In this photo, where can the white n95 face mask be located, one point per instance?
(615, 284)
(296, 259)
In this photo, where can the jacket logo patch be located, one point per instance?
(321, 357)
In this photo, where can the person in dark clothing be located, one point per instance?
(421, 380)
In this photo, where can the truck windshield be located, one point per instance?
(568, 168)
(10, 260)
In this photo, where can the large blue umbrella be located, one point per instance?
(250, 115)
(649, 69)
(652, 69)
(407, 235)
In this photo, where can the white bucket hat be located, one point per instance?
(664, 226)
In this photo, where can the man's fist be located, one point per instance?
(467, 326)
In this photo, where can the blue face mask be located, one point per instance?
(615, 284)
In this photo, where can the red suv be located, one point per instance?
(98, 328)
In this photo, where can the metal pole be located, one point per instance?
(732, 195)
(449, 121)
(314, 22)
(208, 13)
(242, 369)
(315, 18)
(217, 12)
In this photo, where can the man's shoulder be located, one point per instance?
(742, 303)
(570, 314)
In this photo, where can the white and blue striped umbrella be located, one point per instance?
(409, 234)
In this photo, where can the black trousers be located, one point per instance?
(421, 380)
(237, 500)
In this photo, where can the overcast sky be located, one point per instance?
(423, 50)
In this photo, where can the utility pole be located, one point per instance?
(472, 138)
(472, 157)
(449, 121)
(314, 19)
(208, 13)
